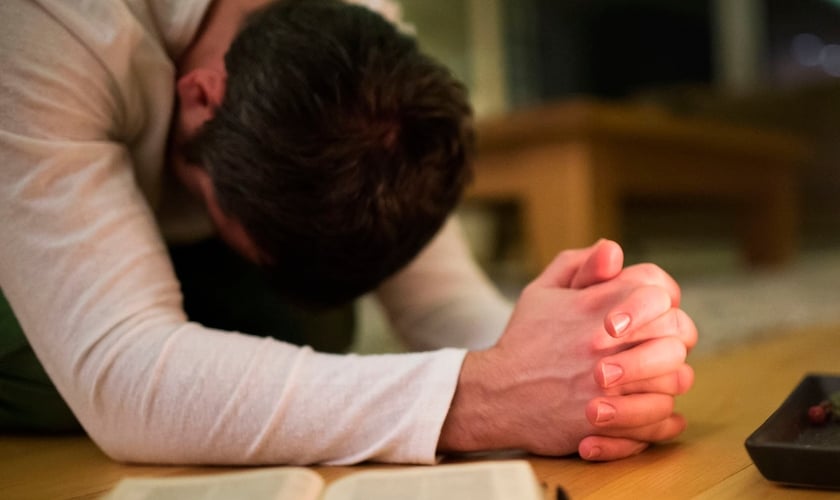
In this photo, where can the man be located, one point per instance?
(589, 361)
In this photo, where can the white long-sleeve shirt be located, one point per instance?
(86, 95)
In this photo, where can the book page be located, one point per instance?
(503, 480)
(276, 483)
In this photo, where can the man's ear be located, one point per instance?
(200, 92)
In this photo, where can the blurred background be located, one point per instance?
(765, 65)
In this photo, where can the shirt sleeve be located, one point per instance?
(443, 298)
(88, 277)
(391, 10)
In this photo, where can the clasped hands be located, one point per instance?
(590, 361)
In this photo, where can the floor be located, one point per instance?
(729, 302)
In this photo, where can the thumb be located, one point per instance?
(582, 267)
(604, 263)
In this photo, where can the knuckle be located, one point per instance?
(665, 406)
(686, 326)
(676, 346)
(675, 385)
(565, 254)
(655, 294)
(684, 379)
(648, 272)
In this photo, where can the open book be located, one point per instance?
(500, 480)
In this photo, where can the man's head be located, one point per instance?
(336, 151)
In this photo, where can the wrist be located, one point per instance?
(473, 423)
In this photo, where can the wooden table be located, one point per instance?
(571, 165)
(734, 393)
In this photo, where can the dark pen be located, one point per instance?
(559, 492)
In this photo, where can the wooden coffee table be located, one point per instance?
(571, 165)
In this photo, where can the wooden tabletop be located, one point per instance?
(735, 392)
(578, 118)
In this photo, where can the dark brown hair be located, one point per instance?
(339, 146)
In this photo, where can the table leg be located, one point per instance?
(770, 219)
(566, 204)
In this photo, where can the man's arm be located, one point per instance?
(443, 298)
(88, 277)
(93, 289)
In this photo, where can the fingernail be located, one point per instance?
(604, 413)
(611, 373)
(620, 322)
(593, 453)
